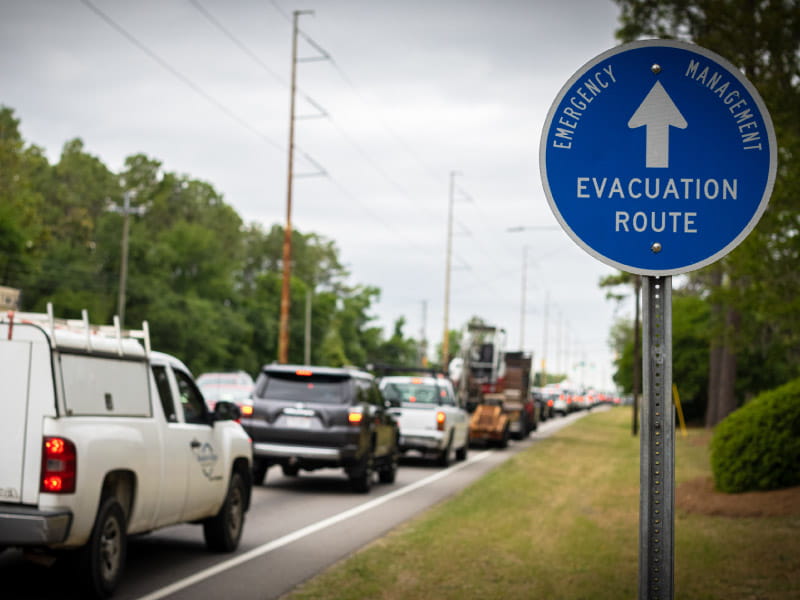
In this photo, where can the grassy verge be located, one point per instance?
(561, 521)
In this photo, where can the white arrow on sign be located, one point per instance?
(657, 112)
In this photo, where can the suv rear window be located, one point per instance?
(319, 388)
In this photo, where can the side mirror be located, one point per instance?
(225, 410)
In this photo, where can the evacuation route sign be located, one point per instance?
(658, 157)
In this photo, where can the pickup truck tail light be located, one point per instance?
(59, 466)
(441, 418)
(247, 409)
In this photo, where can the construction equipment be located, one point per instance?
(495, 387)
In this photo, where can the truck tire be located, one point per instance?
(519, 435)
(445, 456)
(260, 467)
(102, 559)
(461, 453)
(223, 531)
(503, 441)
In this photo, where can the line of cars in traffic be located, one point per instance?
(304, 418)
(564, 398)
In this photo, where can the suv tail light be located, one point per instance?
(441, 417)
(355, 417)
(59, 466)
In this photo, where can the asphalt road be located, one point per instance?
(296, 527)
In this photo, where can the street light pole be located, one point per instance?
(522, 301)
(446, 336)
(126, 210)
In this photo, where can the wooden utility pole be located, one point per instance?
(283, 332)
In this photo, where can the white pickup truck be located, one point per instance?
(430, 418)
(102, 438)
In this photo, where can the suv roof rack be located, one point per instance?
(93, 337)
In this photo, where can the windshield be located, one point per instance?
(418, 393)
(324, 389)
(212, 393)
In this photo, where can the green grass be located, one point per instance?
(560, 520)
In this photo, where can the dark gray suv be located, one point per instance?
(307, 417)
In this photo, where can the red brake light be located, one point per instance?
(303, 372)
(440, 420)
(59, 466)
(355, 418)
(416, 380)
(247, 410)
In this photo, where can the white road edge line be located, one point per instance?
(306, 531)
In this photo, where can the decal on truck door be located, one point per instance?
(207, 459)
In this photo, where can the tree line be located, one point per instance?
(736, 323)
(208, 283)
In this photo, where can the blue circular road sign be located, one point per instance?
(658, 157)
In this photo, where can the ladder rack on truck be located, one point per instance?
(80, 334)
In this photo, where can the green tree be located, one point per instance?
(753, 291)
(21, 203)
(690, 348)
(398, 350)
(208, 284)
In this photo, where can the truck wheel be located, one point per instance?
(503, 441)
(260, 467)
(461, 453)
(361, 479)
(223, 531)
(102, 559)
(446, 454)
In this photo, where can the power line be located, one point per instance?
(180, 76)
(323, 55)
(244, 48)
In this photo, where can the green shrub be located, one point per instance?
(757, 447)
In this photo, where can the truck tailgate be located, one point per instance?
(15, 362)
(26, 397)
(415, 418)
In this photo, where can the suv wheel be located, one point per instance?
(260, 467)
(361, 477)
(388, 472)
(290, 470)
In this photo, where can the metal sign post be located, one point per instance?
(658, 158)
(657, 445)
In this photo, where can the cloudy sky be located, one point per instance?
(410, 93)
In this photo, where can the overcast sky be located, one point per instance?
(413, 91)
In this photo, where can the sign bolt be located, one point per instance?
(656, 248)
(656, 69)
